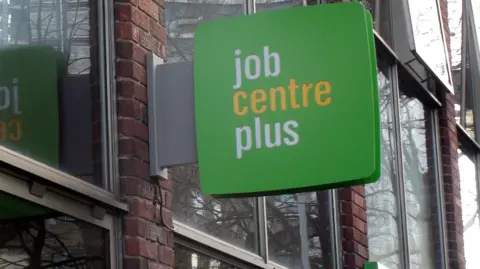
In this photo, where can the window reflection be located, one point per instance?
(39, 238)
(470, 216)
(188, 259)
(464, 69)
(182, 17)
(50, 98)
(419, 183)
(382, 214)
(263, 5)
(298, 230)
(231, 220)
(428, 39)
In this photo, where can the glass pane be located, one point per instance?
(50, 97)
(39, 238)
(231, 220)
(465, 98)
(455, 29)
(182, 18)
(299, 231)
(427, 34)
(188, 259)
(419, 183)
(262, 5)
(471, 221)
(382, 214)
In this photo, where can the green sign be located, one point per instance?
(287, 101)
(373, 265)
(29, 78)
(12, 207)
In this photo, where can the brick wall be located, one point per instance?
(451, 176)
(148, 243)
(353, 223)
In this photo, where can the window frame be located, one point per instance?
(42, 185)
(193, 238)
(420, 91)
(36, 182)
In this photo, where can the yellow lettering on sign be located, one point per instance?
(323, 88)
(236, 103)
(15, 127)
(11, 130)
(259, 101)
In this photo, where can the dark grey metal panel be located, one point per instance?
(170, 114)
(76, 126)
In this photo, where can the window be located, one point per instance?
(53, 105)
(419, 182)
(285, 231)
(262, 5)
(38, 232)
(232, 220)
(466, 72)
(52, 240)
(470, 214)
(186, 258)
(405, 198)
(427, 36)
(382, 209)
(298, 228)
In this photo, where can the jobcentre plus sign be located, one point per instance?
(281, 105)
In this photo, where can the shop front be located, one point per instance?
(82, 179)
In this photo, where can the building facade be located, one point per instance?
(75, 184)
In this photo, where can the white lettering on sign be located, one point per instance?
(9, 98)
(251, 67)
(268, 135)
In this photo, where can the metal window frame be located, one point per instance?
(199, 241)
(401, 195)
(430, 102)
(18, 182)
(447, 85)
(470, 46)
(67, 194)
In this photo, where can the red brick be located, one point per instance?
(168, 198)
(131, 147)
(130, 69)
(134, 168)
(150, 43)
(140, 19)
(127, 31)
(167, 217)
(150, 7)
(132, 186)
(141, 208)
(134, 263)
(128, 50)
(158, 31)
(128, 88)
(129, 108)
(156, 233)
(134, 227)
(160, 3)
(165, 255)
(141, 247)
(123, 12)
(156, 265)
(133, 128)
